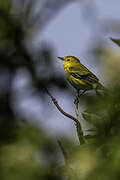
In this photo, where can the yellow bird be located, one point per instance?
(79, 76)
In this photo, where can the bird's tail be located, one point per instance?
(101, 87)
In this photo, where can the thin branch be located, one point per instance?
(59, 108)
(78, 123)
(77, 111)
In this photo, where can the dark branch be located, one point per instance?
(59, 108)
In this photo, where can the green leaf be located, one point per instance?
(116, 41)
(91, 118)
(91, 130)
(89, 136)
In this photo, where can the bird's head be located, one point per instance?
(69, 60)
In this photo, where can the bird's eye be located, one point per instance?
(68, 59)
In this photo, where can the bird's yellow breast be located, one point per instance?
(77, 83)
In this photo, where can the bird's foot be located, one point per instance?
(76, 101)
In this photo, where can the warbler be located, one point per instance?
(79, 76)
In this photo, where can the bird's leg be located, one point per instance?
(79, 95)
(76, 101)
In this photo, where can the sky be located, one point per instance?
(71, 33)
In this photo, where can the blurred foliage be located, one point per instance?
(27, 151)
(5, 5)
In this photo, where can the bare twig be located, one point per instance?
(59, 108)
(76, 109)
(78, 123)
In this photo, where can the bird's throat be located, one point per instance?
(65, 65)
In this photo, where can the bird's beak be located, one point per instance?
(61, 58)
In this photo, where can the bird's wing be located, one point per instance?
(81, 72)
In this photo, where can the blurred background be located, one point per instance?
(33, 33)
